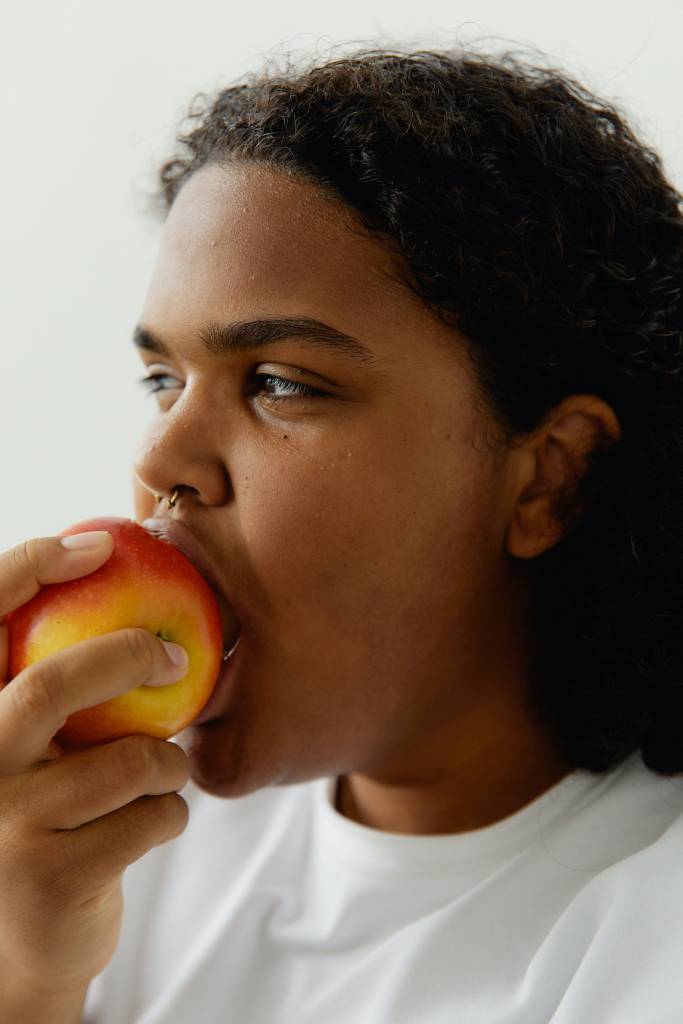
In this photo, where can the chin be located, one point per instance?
(218, 762)
(222, 765)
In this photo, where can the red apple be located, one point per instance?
(146, 582)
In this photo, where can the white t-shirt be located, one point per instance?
(275, 909)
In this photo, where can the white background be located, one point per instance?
(91, 94)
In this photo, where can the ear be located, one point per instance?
(553, 460)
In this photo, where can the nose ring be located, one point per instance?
(169, 501)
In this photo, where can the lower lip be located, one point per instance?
(222, 687)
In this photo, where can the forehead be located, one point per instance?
(244, 240)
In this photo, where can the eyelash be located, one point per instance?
(295, 388)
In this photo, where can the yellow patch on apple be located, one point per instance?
(146, 582)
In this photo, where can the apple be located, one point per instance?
(146, 582)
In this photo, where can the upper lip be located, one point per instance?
(181, 537)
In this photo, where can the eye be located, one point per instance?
(285, 388)
(276, 389)
(151, 383)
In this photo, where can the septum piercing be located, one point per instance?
(169, 501)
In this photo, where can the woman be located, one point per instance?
(414, 334)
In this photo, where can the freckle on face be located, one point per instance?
(363, 535)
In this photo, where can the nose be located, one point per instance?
(146, 501)
(175, 465)
(152, 468)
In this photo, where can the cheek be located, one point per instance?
(300, 516)
(377, 541)
(376, 577)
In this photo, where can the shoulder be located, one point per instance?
(626, 924)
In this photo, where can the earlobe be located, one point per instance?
(533, 529)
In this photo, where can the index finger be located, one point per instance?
(37, 702)
(26, 568)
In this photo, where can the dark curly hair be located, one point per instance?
(529, 215)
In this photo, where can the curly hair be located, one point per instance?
(529, 216)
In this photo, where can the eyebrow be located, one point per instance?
(242, 335)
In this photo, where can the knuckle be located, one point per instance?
(174, 813)
(142, 647)
(157, 818)
(38, 692)
(180, 764)
(27, 555)
(12, 843)
(50, 866)
(12, 866)
(52, 878)
(19, 800)
(61, 876)
(139, 756)
(172, 763)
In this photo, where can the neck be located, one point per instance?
(473, 792)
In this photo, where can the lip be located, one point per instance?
(223, 688)
(180, 536)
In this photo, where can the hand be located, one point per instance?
(70, 824)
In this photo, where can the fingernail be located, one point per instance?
(177, 654)
(86, 541)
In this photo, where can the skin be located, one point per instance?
(375, 542)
